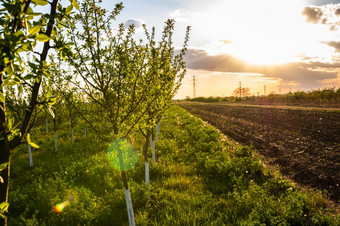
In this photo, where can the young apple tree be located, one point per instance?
(115, 75)
(167, 70)
(55, 86)
(24, 31)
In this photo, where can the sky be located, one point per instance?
(285, 45)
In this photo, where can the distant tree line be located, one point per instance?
(329, 97)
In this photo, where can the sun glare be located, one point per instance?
(262, 31)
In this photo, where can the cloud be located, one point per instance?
(313, 14)
(137, 22)
(337, 11)
(226, 41)
(327, 14)
(200, 60)
(307, 74)
(183, 15)
(332, 82)
(334, 44)
(315, 65)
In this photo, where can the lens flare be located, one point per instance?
(122, 155)
(60, 206)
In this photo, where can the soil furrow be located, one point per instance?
(305, 144)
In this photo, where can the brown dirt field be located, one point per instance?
(303, 142)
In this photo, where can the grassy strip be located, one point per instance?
(200, 179)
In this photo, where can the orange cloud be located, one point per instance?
(312, 14)
(308, 74)
(226, 41)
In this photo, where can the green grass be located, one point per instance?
(200, 178)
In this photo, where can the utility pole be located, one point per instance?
(194, 86)
(240, 90)
(264, 89)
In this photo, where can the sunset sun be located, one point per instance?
(284, 43)
(146, 112)
(262, 32)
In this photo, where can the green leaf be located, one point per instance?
(28, 138)
(40, 2)
(51, 112)
(10, 123)
(62, 54)
(30, 142)
(52, 100)
(3, 166)
(75, 4)
(24, 47)
(69, 9)
(42, 38)
(4, 206)
(49, 93)
(2, 97)
(29, 76)
(18, 33)
(34, 145)
(35, 30)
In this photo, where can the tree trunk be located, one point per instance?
(46, 125)
(152, 144)
(72, 130)
(30, 155)
(55, 135)
(72, 136)
(5, 146)
(5, 156)
(145, 153)
(158, 129)
(126, 189)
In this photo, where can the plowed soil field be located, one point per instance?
(303, 143)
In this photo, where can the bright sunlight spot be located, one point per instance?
(263, 31)
(129, 155)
